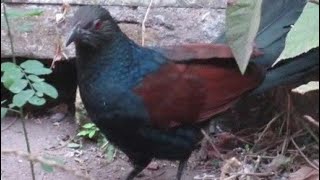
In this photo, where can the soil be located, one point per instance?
(47, 139)
(50, 135)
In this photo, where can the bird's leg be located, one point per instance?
(138, 166)
(182, 165)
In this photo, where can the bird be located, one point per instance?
(151, 102)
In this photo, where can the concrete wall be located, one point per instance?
(169, 22)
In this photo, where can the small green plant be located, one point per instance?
(91, 131)
(24, 82)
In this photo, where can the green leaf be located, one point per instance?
(242, 24)
(30, 64)
(39, 94)
(7, 66)
(18, 85)
(35, 67)
(39, 71)
(37, 101)
(46, 89)
(83, 133)
(46, 167)
(10, 75)
(35, 78)
(88, 125)
(22, 13)
(3, 112)
(304, 35)
(74, 145)
(21, 98)
(91, 134)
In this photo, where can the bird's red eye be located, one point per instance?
(98, 24)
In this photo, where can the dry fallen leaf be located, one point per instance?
(311, 86)
(279, 161)
(305, 173)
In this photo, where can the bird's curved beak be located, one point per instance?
(73, 35)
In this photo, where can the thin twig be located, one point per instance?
(268, 126)
(303, 155)
(250, 174)
(28, 146)
(9, 125)
(286, 140)
(259, 156)
(9, 33)
(39, 159)
(311, 120)
(307, 127)
(143, 23)
(296, 134)
(207, 137)
(256, 174)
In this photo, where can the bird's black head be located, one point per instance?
(92, 25)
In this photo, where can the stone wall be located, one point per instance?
(169, 22)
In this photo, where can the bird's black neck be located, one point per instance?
(112, 56)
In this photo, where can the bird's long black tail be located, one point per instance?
(277, 18)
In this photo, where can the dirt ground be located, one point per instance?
(49, 137)
(46, 137)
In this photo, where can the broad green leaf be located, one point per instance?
(35, 67)
(3, 112)
(22, 13)
(35, 78)
(30, 64)
(91, 134)
(39, 94)
(40, 71)
(304, 35)
(7, 66)
(83, 133)
(242, 21)
(18, 85)
(310, 86)
(74, 145)
(21, 98)
(46, 89)
(37, 101)
(46, 167)
(88, 125)
(10, 76)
